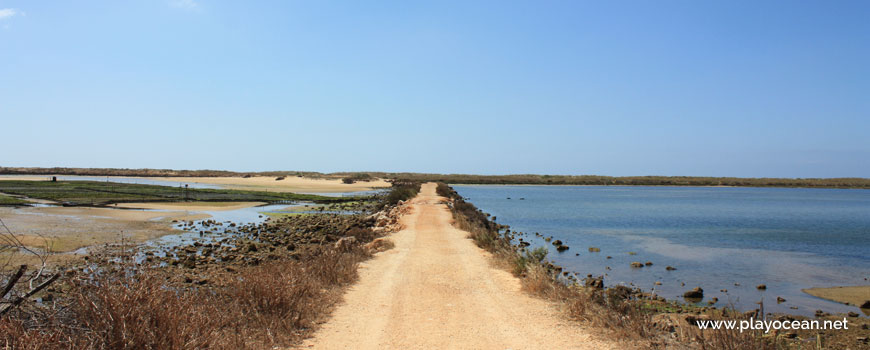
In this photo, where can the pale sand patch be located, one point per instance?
(288, 184)
(70, 228)
(196, 206)
(855, 295)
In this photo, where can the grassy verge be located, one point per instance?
(619, 310)
(9, 200)
(103, 193)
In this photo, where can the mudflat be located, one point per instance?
(66, 229)
(437, 290)
(854, 295)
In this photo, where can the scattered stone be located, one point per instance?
(648, 263)
(594, 282)
(562, 248)
(594, 250)
(345, 243)
(780, 300)
(696, 293)
(723, 290)
(853, 314)
(761, 287)
(670, 268)
(557, 242)
(636, 264)
(609, 257)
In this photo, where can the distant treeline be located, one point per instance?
(629, 180)
(147, 172)
(527, 179)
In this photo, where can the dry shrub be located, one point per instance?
(271, 304)
(141, 313)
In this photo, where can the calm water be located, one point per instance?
(121, 179)
(788, 239)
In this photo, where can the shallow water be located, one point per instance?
(786, 238)
(122, 179)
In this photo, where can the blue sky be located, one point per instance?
(725, 88)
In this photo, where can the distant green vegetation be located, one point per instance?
(629, 180)
(524, 179)
(102, 193)
(8, 200)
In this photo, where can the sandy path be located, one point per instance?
(437, 290)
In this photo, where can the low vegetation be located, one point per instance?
(630, 180)
(103, 193)
(401, 191)
(9, 200)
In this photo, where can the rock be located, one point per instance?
(562, 248)
(594, 250)
(648, 263)
(378, 245)
(780, 300)
(761, 287)
(345, 243)
(696, 293)
(853, 314)
(723, 290)
(557, 243)
(636, 264)
(670, 268)
(594, 282)
(865, 305)
(609, 257)
(658, 283)
(695, 319)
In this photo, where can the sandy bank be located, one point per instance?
(288, 184)
(855, 295)
(196, 206)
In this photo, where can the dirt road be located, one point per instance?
(437, 290)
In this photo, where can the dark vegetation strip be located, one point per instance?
(518, 179)
(616, 309)
(634, 180)
(103, 193)
(269, 289)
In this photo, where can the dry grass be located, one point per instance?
(273, 304)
